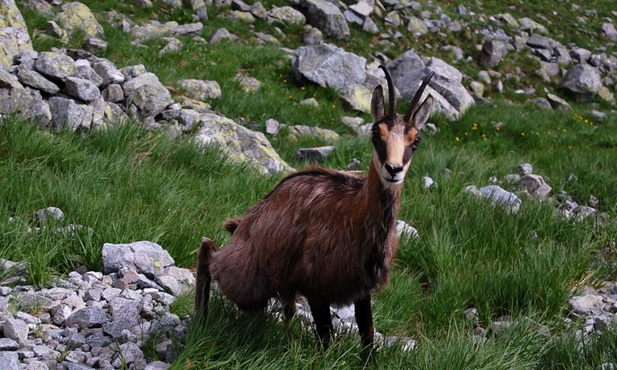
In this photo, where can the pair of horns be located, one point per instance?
(392, 95)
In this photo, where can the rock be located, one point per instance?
(492, 53)
(49, 213)
(14, 36)
(558, 103)
(147, 93)
(10, 361)
(67, 113)
(144, 257)
(15, 329)
(108, 73)
(405, 230)
(535, 186)
(407, 71)
(37, 81)
(327, 17)
(590, 303)
(240, 144)
(56, 66)
(297, 131)
(582, 82)
(272, 126)
(608, 29)
(222, 34)
(329, 66)
(77, 16)
(200, 89)
(501, 197)
(286, 15)
(81, 89)
(318, 154)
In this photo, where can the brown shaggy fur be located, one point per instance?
(327, 235)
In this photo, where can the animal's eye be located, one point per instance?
(415, 143)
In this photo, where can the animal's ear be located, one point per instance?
(378, 105)
(421, 115)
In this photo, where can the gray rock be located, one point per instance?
(318, 154)
(492, 53)
(539, 42)
(608, 29)
(405, 230)
(201, 89)
(222, 34)
(590, 303)
(108, 73)
(125, 309)
(525, 169)
(56, 66)
(113, 93)
(535, 186)
(77, 16)
(286, 15)
(298, 131)
(9, 360)
(84, 70)
(67, 113)
(240, 144)
(87, 317)
(147, 93)
(15, 329)
(558, 103)
(501, 197)
(144, 257)
(82, 89)
(448, 83)
(8, 344)
(49, 213)
(582, 82)
(329, 66)
(14, 36)
(327, 17)
(37, 81)
(404, 69)
(272, 126)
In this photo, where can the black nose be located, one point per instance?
(393, 170)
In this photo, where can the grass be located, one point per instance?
(126, 184)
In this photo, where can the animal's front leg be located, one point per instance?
(364, 319)
(323, 322)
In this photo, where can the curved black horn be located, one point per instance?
(416, 98)
(391, 92)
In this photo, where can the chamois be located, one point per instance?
(327, 235)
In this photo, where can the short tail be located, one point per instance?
(232, 224)
(202, 287)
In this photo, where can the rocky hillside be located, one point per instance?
(482, 57)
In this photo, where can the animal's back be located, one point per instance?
(298, 239)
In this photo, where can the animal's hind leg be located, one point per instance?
(203, 279)
(289, 306)
(364, 319)
(323, 322)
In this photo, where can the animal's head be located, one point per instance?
(396, 137)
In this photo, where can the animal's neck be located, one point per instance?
(382, 203)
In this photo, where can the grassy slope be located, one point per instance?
(127, 185)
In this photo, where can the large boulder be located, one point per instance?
(451, 98)
(327, 17)
(330, 66)
(582, 82)
(14, 37)
(239, 144)
(147, 93)
(77, 16)
(144, 257)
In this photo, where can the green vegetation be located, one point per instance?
(127, 184)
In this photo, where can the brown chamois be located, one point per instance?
(327, 235)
